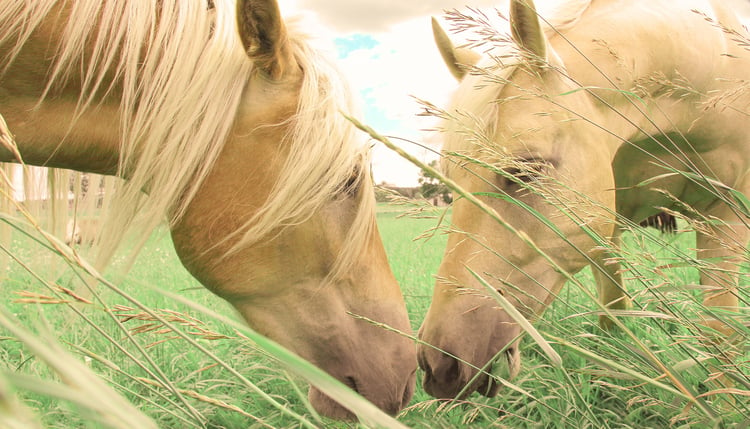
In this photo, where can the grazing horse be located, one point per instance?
(232, 124)
(602, 113)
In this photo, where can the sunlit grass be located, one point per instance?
(186, 362)
(584, 392)
(605, 379)
(414, 244)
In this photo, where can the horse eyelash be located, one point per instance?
(352, 184)
(517, 174)
(532, 171)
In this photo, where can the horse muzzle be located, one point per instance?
(390, 404)
(446, 375)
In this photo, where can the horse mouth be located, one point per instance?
(504, 367)
(488, 386)
(328, 407)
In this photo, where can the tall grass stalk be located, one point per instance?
(139, 364)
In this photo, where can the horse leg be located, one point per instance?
(608, 279)
(723, 245)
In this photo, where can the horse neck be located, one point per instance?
(646, 81)
(48, 123)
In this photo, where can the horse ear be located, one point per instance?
(525, 27)
(457, 59)
(264, 36)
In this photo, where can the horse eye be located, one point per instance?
(516, 175)
(351, 187)
(526, 171)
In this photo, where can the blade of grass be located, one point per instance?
(83, 386)
(369, 414)
(509, 308)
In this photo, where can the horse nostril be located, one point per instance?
(351, 383)
(445, 370)
(424, 363)
(453, 371)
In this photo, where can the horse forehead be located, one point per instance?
(521, 121)
(265, 100)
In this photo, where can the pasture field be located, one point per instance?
(654, 375)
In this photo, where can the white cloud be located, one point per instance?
(403, 63)
(376, 16)
(403, 66)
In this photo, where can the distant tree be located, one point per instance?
(432, 188)
(382, 193)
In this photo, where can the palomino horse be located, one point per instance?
(240, 141)
(568, 130)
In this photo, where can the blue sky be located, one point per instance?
(348, 44)
(387, 70)
(373, 113)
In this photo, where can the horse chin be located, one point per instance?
(505, 367)
(328, 407)
(332, 409)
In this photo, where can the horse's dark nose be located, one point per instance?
(447, 377)
(442, 374)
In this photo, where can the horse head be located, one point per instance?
(516, 139)
(294, 173)
(241, 143)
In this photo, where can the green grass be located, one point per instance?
(606, 380)
(211, 390)
(415, 248)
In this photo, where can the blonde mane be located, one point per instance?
(183, 70)
(327, 156)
